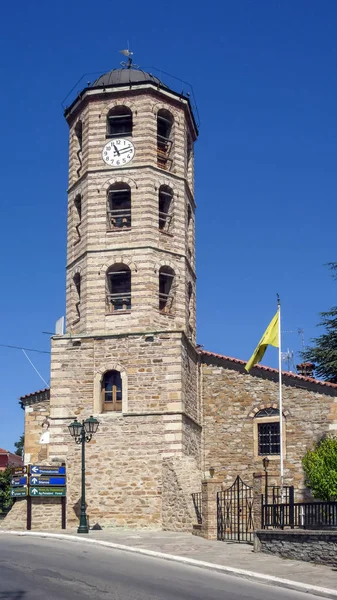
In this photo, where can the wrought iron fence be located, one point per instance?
(299, 515)
(282, 495)
(235, 512)
(196, 497)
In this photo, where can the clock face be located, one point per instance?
(118, 152)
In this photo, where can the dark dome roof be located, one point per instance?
(120, 76)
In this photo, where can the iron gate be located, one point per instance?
(235, 512)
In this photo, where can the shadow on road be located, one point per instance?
(19, 595)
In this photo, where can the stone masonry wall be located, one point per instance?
(46, 514)
(181, 478)
(92, 248)
(310, 546)
(231, 397)
(124, 459)
(36, 423)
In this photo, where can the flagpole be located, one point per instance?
(280, 394)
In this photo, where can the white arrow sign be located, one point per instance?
(12, 492)
(34, 491)
(13, 481)
(34, 480)
(35, 469)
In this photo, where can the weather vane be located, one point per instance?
(128, 64)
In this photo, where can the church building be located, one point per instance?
(168, 411)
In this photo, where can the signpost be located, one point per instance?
(36, 481)
(52, 492)
(19, 492)
(19, 471)
(47, 470)
(16, 481)
(47, 481)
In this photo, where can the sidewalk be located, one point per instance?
(226, 554)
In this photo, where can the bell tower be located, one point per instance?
(128, 355)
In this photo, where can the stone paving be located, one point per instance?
(229, 554)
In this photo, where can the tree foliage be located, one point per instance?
(20, 445)
(323, 352)
(5, 484)
(320, 467)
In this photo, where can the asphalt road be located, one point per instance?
(33, 568)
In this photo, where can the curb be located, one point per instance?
(250, 575)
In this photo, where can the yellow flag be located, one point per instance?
(269, 338)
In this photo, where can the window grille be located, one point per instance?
(269, 438)
(164, 139)
(165, 208)
(166, 289)
(268, 412)
(119, 122)
(118, 296)
(119, 208)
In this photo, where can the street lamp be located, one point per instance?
(265, 462)
(83, 432)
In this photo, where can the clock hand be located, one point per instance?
(125, 150)
(116, 149)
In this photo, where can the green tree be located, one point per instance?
(20, 445)
(5, 492)
(323, 353)
(320, 467)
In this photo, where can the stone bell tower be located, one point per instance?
(128, 355)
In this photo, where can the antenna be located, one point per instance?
(288, 357)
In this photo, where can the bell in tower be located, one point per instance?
(128, 355)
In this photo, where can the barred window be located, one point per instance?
(118, 292)
(164, 139)
(166, 290)
(119, 122)
(165, 208)
(269, 438)
(119, 207)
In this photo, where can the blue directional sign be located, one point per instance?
(47, 470)
(46, 481)
(18, 481)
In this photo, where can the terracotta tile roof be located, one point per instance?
(2, 451)
(34, 393)
(270, 369)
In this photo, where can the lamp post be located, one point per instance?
(83, 432)
(265, 462)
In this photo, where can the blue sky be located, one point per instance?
(264, 74)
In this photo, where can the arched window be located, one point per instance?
(79, 134)
(119, 122)
(189, 230)
(165, 208)
(119, 206)
(111, 390)
(118, 284)
(268, 431)
(79, 137)
(166, 290)
(190, 300)
(78, 216)
(164, 139)
(77, 287)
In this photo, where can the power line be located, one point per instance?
(35, 369)
(27, 349)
